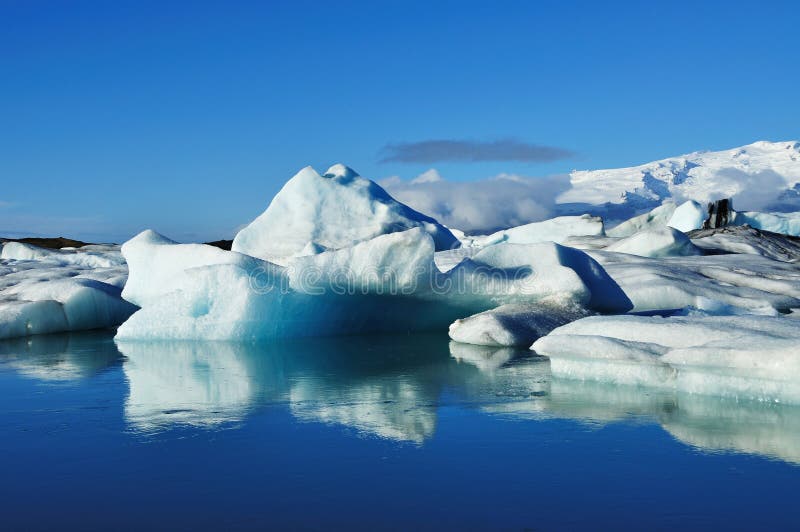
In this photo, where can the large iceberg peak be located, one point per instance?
(329, 212)
(340, 170)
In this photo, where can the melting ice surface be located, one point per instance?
(371, 432)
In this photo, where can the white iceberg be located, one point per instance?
(513, 324)
(685, 217)
(743, 281)
(158, 265)
(661, 242)
(786, 223)
(387, 284)
(46, 291)
(338, 209)
(688, 216)
(745, 357)
(749, 241)
(91, 256)
(658, 217)
(553, 230)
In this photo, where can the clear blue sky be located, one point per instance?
(187, 117)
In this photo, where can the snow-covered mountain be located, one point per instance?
(759, 176)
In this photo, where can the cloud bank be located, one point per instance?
(480, 206)
(451, 150)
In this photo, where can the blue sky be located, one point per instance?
(187, 117)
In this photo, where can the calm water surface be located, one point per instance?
(390, 432)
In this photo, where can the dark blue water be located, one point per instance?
(370, 433)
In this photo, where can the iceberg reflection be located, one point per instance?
(706, 422)
(393, 386)
(60, 357)
(199, 384)
(385, 386)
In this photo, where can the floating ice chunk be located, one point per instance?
(786, 223)
(394, 264)
(753, 357)
(661, 242)
(745, 281)
(747, 240)
(158, 265)
(553, 230)
(687, 217)
(45, 291)
(85, 304)
(529, 273)
(389, 283)
(658, 217)
(24, 318)
(332, 211)
(514, 324)
(449, 259)
(87, 256)
(22, 251)
(587, 243)
(64, 305)
(246, 299)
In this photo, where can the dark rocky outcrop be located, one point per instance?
(49, 243)
(221, 244)
(719, 214)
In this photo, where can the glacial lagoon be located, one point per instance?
(370, 432)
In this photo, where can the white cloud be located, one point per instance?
(428, 176)
(437, 150)
(483, 205)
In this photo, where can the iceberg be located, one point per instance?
(786, 223)
(658, 217)
(91, 256)
(743, 357)
(513, 324)
(685, 217)
(688, 216)
(158, 265)
(45, 291)
(749, 241)
(662, 242)
(387, 284)
(672, 283)
(313, 213)
(553, 230)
